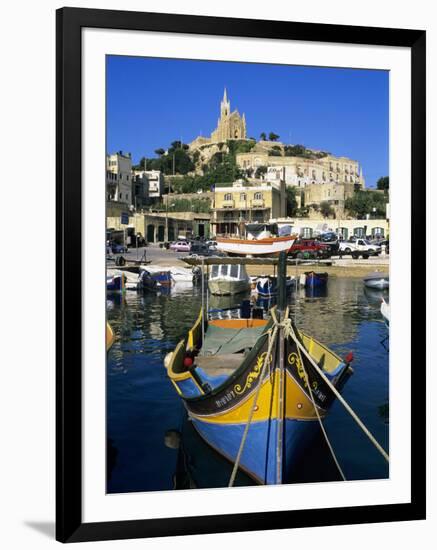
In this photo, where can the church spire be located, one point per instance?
(225, 107)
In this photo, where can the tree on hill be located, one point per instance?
(383, 184)
(263, 136)
(366, 202)
(260, 171)
(326, 209)
(291, 203)
(159, 151)
(273, 136)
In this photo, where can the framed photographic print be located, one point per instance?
(240, 249)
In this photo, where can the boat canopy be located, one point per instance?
(232, 271)
(255, 228)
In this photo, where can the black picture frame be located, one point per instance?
(70, 22)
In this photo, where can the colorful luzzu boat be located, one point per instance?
(246, 386)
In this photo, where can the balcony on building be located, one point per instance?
(228, 203)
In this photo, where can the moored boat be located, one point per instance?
(377, 280)
(385, 311)
(228, 279)
(260, 240)
(252, 392)
(109, 336)
(267, 286)
(116, 282)
(313, 279)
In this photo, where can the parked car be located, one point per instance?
(361, 247)
(331, 239)
(199, 249)
(308, 248)
(212, 245)
(117, 248)
(180, 246)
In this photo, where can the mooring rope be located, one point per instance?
(343, 402)
(272, 338)
(322, 427)
(287, 327)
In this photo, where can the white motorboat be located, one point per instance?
(228, 279)
(377, 280)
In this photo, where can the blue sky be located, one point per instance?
(152, 102)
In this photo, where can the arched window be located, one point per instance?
(359, 232)
(258, 196)
(228, 196)
(243, 197)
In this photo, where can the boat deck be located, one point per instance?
(219, 340)
(215, 365)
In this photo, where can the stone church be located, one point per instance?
(230, 125)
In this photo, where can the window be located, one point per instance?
(243, 197)
(307, 232)
(377, 232)
(359, 231)
(234, 271)
(120, 196)
(258, 196)
(228, 197)
(127, 196)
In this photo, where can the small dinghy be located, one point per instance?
(267, 287)
(377, 280)
(116, 282)
(314, 280)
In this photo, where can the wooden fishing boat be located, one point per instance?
(109, 336)
(270, 246)
(116, 282)
(267, 287)
(313, 279)
(252, 392)
(225, 280)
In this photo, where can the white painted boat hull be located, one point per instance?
(262, 247)
(226, 287)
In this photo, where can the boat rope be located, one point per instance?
(203, 306)
(342, 400)
(322, 427)
(272, 339)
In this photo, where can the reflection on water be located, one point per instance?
(152, 446)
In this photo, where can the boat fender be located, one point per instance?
(167, 359)
(349, 358)
(188, 361)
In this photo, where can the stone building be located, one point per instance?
(119, 177)
(301, 171)
(244, 202)
(230, 125)
(158, 227)
(334, 194)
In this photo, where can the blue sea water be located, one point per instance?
(152, 446)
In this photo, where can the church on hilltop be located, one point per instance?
(230, 125)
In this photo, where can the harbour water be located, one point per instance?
(151, 444)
